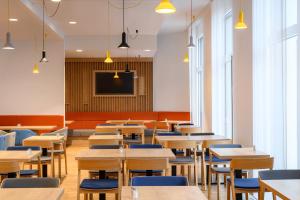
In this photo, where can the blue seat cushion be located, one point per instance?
(179, 152)
(215, 159)
(28, 172)
(144, 171)
(224, 170)
(99, 184)
(185, 159)
(246, 183)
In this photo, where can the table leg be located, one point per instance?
(102, 176)
(149, 173)
(238, 174)
(172, 127)
(173, 169)
(12, 175)
(45, 167)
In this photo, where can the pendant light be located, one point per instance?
(123, 44)
(186, 58)
(35, 69)
(165, 7)
(44, 56)
(116, 76)
(191, 41)
(108, 58)
(8, 43)
(240, 24)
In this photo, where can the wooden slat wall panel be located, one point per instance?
(79, 86)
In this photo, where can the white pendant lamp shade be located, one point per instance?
(191, 42)
(8, 43)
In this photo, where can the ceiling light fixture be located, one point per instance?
(79, 50)
(116, 76)
(147, 50)
(108, 58)
(35, 69)
(13, 19)
(8, 44)
(123, 44)
(165, 7)
(186, 58)
(44, 56)
(72, 22)
(191, 42)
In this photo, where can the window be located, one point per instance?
(228, 75)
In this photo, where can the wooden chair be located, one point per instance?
(159, 126)
(213, 163)
(137, 122)
(246, 185)
(106, 131)
(186, 160)
(44, 159)
(90, 186)
(205, 158)
(104, 142)
(60, 148)
(129, 131)
(145, 164)
(9, 167)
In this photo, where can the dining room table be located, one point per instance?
(238, 153)
(26, 127)
(31, 193)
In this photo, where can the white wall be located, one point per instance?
(171, 74)
(242, 78)
(25, 93)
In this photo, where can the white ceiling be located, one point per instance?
(92, 18)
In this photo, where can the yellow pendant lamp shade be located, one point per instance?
(35, 69)
(241, 23)
(165, 7)
(186, 58)
(108, 58)
(116, 76)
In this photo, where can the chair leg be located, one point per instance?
(85, 196)
(247, 196)
(209, 182)
(262, 196)
(228, 191)
(116, 196)
(196, 174)
(59, 166)
(66, 165)
(218, 186)
(225, 180)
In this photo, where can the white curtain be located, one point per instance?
(268, 80)
(219, 10)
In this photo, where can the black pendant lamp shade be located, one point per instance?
(127, 68)
(44, 57)
(123, 44)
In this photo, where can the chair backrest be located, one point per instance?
(61, 132)
(104, 142)
(279, 174)
(23, 134)
(159, 181)
(104, 130)
(3, 142)
(11, 139)
(135, 122)
(181, 144)
(40, 143)
(30, 183)
(105, 146)
(24, 148)
(252, 163)
(131, 130)
(109, 164)
(189, 130)
(146, 164)
(9, 167)
(145, 146)
(203, 133)
(168, 134)
(162, 125)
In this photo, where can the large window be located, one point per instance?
(276, 79)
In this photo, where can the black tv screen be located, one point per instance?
(106, 84)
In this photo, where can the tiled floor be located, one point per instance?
(69, 183)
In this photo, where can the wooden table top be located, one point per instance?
(100, 154)
(231, 153)
(18, 156)
(175, 121)
(164, 193)
(285, 189)
(36, 128)
(162, 139)
(120, 127)
(106, 137)
(51, 138)
(31, 193)
(149, 153)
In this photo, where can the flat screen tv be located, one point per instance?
(106, 84)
